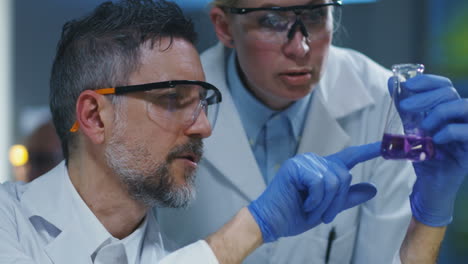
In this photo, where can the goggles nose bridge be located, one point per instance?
(300, 24)
(202, 106)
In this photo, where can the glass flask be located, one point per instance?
(403, 137)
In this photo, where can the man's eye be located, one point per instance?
(171, 96)
(165, 99)
(273, 21)
(315, 16)
(176, 101)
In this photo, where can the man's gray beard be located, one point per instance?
(148, 182)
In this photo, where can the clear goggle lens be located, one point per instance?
(179, 107)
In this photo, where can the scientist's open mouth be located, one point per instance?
(297, 73)
(297, 77)
(189, 156)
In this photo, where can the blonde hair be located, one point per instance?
(228, 3)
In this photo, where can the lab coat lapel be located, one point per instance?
(77, 232)
(339, 93)
(70, 247)
(228, 149)
(78, 241)
(229, 152)
(322, 133)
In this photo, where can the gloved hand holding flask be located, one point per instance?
(446, 120)
(403, 136)
(309, 190)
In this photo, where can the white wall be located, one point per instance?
(6, 125)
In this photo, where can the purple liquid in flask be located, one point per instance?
(403, 137)
(411, 147)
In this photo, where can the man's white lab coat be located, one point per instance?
(46, 221)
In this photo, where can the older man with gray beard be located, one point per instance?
(131, 108)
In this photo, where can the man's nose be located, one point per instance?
(201, 127)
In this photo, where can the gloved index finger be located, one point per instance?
(356, 154)
(426, 82)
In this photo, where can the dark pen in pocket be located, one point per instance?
(331, 238)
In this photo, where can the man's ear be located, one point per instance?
(221, 25)
(92, 115)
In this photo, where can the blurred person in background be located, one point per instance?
(42, 145)
(44, 151)
(287, 90)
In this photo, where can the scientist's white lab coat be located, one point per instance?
(349, 107)
(47, 222)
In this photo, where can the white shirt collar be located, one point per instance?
(247, 104)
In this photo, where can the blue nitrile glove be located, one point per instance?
(438, 180)
(309, 189)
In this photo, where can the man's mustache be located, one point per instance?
(194, 146)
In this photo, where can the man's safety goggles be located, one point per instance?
(173, 105)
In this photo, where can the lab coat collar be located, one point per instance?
(342, 89)
(53, 198)
(340, 92)
(319, 125)
(225, 150)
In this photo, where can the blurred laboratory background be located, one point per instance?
(432, 32)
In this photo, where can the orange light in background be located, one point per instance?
(18, 155)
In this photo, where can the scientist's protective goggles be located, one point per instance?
(173, 105)
(279, 24)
